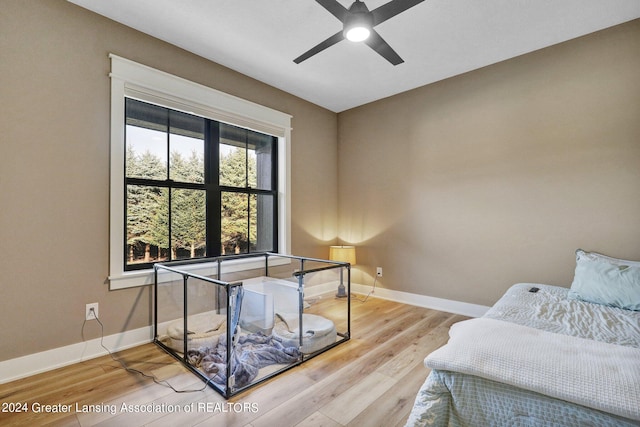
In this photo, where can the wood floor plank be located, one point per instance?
(370, 380)
(318, 419)
(415, 353)
(393, 408)
(357, 398)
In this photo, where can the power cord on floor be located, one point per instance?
(370, 292)
(308, 302)
(123, 365)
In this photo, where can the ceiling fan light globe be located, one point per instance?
(357, 34)
(358, 22)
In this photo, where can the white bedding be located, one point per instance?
(452, 399)
(590, 356)
(549, 309)
(594, 374)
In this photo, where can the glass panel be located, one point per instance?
(336, 316)
(188, 223)
(207, 326)
(262, 218)
(186, 124)
(186, 142)
(146, 140)
(251, 168)
(170, 299)
(147, 224)
(261, 162)
(146, 155)
(233, 166)
(245, 158)
(187, 159)
(235, 223)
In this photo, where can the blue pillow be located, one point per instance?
(604, 280)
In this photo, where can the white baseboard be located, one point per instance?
(450, 306)
(36, 363)
(49, 360)
(324, 288)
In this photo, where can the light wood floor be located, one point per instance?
(371, 380)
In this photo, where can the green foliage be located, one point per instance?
(145, 205)
(237, 207)
(148, 207)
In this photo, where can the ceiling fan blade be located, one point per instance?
(335, 8)
(391, 9)
(320, 47)
(378, 44)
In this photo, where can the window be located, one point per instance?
(195, 187)
(194, 173)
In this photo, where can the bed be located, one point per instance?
(544, 356)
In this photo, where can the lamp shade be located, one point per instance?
(343, 254)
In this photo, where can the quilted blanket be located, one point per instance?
(251, 353)
(594, 374)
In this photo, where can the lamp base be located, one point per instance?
(341, 292)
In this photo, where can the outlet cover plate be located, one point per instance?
(88, 315)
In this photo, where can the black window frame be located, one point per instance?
(211, 186)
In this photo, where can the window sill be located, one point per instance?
(131, 279)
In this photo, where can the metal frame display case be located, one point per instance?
(236, 321)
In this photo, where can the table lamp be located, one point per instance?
(342, 254)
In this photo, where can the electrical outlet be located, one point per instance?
(91, 311)
(379, 271)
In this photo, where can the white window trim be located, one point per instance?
(139, 81)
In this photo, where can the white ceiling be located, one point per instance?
(437, 39)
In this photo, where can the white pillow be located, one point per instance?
(605, 280)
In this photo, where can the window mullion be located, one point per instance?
(249, 222)
(170, 189)
(246, 160)
(212, 185)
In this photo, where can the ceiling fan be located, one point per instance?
(358, 23)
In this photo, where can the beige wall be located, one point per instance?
(54, 169)
(461, 188)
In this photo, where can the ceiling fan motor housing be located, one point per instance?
(358, 17)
